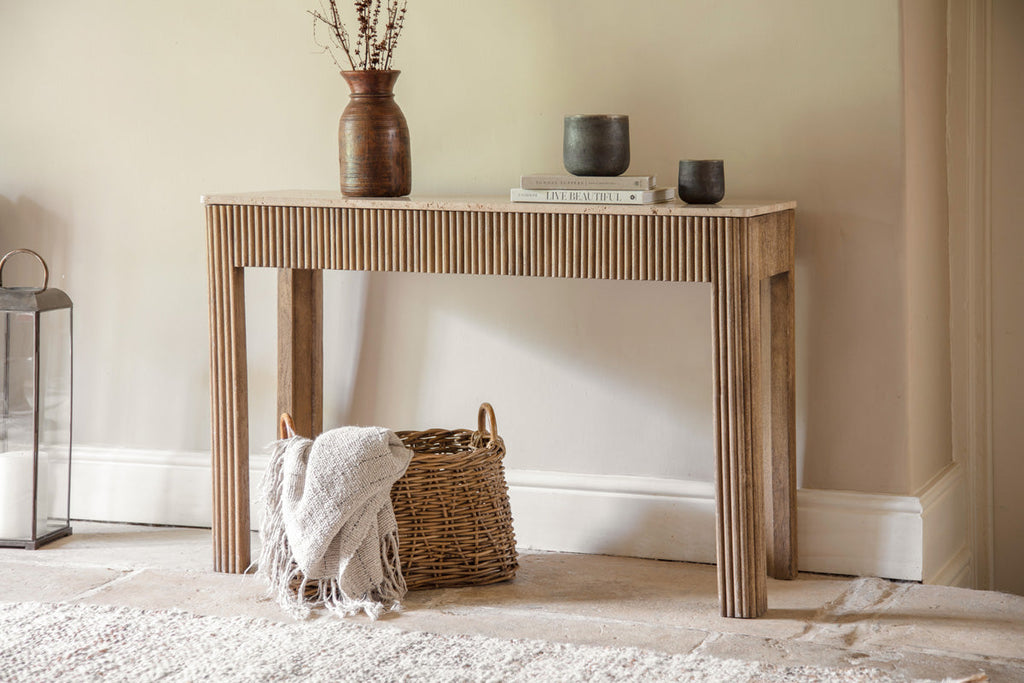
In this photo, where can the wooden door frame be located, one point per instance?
(968, 145)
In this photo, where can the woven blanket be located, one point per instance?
(328, 521)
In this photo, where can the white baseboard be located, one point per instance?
(958, 571)
(147, 487)
(863, 534)
(613, 515)
(947, 557)
(900, 537)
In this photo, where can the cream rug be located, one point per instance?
(66, 642)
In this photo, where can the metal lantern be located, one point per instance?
(35, 432)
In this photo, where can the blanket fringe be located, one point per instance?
(386, 598)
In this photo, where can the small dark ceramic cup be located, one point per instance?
(701, 181)
(596, 144)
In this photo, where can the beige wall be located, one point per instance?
(117, 116)
(927, 246)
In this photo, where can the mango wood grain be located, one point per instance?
(779, 408)
(745, 250)
(300, 348)
(228, 399)
(774, 235)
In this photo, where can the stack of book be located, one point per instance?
(574, 189)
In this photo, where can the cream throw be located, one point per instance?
(328, 519)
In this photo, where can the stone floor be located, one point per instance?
(906, 629)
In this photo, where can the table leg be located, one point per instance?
(229, 397)
(781, 428)
(300, 348)
(739, 521)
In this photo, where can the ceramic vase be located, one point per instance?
(701, 181)
(596, 144)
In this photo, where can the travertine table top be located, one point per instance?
(736, 208)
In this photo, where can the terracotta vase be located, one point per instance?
(373, 138)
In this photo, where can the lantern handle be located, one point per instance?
(3, 261)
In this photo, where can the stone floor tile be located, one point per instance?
(939, 618)
(24, 581)
(126, 547)
(200, 592)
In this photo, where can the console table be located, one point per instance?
(744, 249)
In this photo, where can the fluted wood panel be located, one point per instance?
(229, 406)
(613, 247)
(732, 252)
(739, 466)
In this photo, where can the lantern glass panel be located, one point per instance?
(17, 430)
(54, 418)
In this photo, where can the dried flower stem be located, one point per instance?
(368, 52)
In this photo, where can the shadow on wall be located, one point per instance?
(24, 224)
(345, 295)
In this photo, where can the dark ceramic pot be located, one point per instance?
(701, 181)
(596, 144)
(373, 138)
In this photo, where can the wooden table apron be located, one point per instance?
(744, 250)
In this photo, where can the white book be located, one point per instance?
(561, 181)
(663, 194)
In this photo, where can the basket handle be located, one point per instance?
(486, 413)
(286, 429)
(46, 271)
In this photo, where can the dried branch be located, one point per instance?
(374, 47)
(395, 19)
(338, 33)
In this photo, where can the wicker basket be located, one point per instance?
(454, 519)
